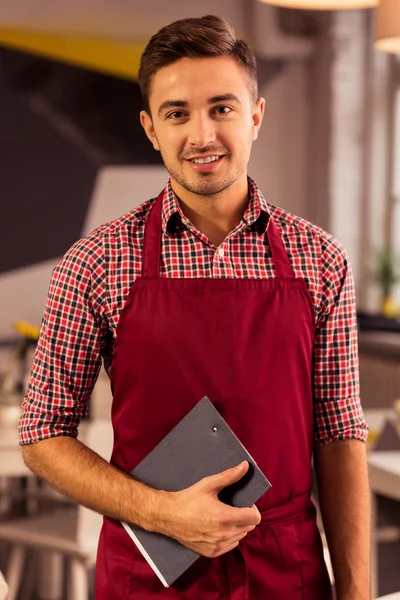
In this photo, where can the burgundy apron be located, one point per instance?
(248, 345)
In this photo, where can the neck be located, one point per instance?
(215, 216)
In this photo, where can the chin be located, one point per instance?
(208, 188)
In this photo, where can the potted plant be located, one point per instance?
(387, 274)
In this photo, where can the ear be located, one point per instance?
(258, 114)
(147, 125)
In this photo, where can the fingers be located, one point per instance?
(256, 514)
(243, 517)
(229, 546)
(225, 550)
(222, 480)
(230, 541)
(244, 528)
(255, 520)
(236, 538)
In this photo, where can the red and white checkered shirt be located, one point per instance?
(91, 283)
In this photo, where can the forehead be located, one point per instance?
(197, 79)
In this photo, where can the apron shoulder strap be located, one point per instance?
(152, 241)
(283, 267)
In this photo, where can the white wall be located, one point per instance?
(280, 159)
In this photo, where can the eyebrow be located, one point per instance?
(184, 104)
(224, 98)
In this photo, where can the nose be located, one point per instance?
(202, 131)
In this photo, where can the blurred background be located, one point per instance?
(73, 155)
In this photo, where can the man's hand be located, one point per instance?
(196, 518)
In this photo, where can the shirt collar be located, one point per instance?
(256, 214)
(172, 215)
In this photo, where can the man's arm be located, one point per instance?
(76, 471)
(342, 475)
(340, 427)
(194, 516)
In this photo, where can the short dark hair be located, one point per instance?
(208, 36)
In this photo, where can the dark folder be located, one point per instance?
(200, 445)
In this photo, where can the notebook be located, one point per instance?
(200, 445)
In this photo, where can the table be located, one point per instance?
(11, 461)
(12, 465)
(384, 473)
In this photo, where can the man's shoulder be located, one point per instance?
(132, 220)
(306, 233)
(126, 230)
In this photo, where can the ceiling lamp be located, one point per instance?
(388, 26)
(325, 4)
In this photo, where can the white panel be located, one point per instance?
(119, 189)
(23, 295)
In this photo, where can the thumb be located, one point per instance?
(221, 480)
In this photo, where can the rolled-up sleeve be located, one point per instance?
(68, 354)
(337, 406)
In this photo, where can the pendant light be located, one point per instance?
(324, 4)
(388, 26)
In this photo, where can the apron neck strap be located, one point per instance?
(152, 241)
(283, 268)
(152, 245)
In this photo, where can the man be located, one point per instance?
(208, 289)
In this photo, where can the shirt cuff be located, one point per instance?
(34, 427)
(339, 420)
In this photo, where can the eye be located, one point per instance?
(223, 110)
(175, 115)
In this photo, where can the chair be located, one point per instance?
(70, 531)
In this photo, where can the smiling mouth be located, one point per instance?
(205, 160)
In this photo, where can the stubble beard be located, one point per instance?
(206, 184)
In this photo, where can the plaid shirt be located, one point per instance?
(91, 283)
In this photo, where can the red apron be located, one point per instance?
(248, 345)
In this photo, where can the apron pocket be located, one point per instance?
(285, 560)
(274, 563)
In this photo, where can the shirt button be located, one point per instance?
(220, 252)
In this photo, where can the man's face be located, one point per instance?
(203, 121)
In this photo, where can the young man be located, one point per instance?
(208, 289)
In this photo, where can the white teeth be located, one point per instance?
(202, 161)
